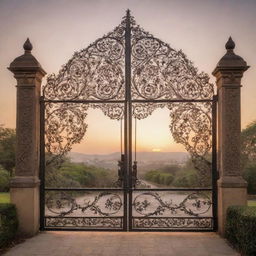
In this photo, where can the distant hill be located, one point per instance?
(143, 157)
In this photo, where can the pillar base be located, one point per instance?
(232, 190)
(27, 204)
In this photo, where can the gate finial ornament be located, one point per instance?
(230, 44)
(230, 59)
(26, 60)
(27, 46)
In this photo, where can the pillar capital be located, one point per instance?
(26, 66)
(230, 67)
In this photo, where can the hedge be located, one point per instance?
(241, 228)
(8, 223)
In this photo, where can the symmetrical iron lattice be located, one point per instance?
(129, 73)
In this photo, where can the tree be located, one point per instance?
(248, 153)
(4, 180)
(7, 148)
(248, 144)
(250, 176)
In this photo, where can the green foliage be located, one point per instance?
(4, 180)
(249, 175)
(159, 177)
(8, 223)
(248, 144)
(251, 203)
(172, 169)
(240, 228)
(7, 148)
(186, 176)
(4, 198)
(248, 152)
(70, 174)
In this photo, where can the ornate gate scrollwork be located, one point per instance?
(129, 73)
(97, 72)
(103, 204)
(191, 126)
(65, 125)
(194, 204)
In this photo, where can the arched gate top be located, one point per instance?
(129, 65)
(158, 72)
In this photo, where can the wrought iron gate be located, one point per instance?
(129, 73)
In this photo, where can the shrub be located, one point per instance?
(241, 227)
(8, 223)
(172, 169)
(250, 176)
(78, 175)
(181, 181)
(186, 178)
(4, 180)
(153, 176)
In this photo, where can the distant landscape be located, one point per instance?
(144, 159)
(168, 169)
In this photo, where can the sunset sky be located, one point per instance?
(57, 28)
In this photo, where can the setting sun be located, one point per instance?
(156, 150)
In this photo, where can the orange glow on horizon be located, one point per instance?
(103, 135)
(156, 150)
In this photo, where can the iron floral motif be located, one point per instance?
(191, 126)
(94, 73)
(151, 204)
(62, 204)
(160, 72)
(81, 222)
(173, 223)
(114, 111)
(143, 110)
(65, 125)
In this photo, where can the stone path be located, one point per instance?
(58, 243)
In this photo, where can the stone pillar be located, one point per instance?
(25, 184)
(232, 188)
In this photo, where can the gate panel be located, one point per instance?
(172, 210)
(66, 203)
(84, 209)
(162, 205)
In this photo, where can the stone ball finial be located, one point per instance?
(230, 44)
(27, 46)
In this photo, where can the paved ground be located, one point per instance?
(123, 244)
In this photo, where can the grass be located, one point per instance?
(251, 203)
(4, 197)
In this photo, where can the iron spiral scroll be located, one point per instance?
(194, 204)
(62, 204)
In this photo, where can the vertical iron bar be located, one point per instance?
(214, 163)
(121, 136)
(42, 162)
(135, 139)
(128, 120)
